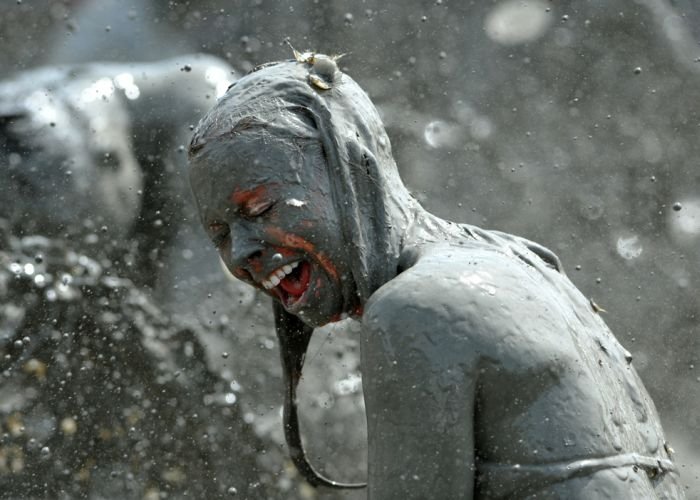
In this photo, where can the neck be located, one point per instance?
(408, 226)
(422, 229)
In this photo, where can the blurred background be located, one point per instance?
(133, 367)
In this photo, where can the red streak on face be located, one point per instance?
(245, 198)
(294, 241)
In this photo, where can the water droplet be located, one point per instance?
(45, 452)
(438, 133)
(349, 385)
(224, 355)
(629, 247)
(677, 206)
(232, 491)
(69, 426)
(638, 70)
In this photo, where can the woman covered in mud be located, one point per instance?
(486, 373)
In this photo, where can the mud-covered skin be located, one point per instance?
(275, 209)
(508, 370)
(486, 373)
(98, 149)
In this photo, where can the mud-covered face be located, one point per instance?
(267, 206)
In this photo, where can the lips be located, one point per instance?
(289, 282)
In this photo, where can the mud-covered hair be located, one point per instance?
(310, 98)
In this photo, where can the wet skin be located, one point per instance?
(468, 351)
(276, 212)
(493, 371)
(486, 373)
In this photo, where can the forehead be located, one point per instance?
(244, 162)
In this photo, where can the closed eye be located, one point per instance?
(256, 209)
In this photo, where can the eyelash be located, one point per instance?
(261, 209)
(220, 235)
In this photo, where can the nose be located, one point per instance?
(243, 252)
(246, 250)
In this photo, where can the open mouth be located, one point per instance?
(289, 282)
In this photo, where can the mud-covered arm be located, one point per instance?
(419, 380)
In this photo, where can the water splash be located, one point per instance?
(125, 82)
(100, 89)
(219, 79)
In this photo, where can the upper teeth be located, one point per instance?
(278, 275)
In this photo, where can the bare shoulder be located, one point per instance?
(476, 294)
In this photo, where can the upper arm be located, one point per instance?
(419, 379)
